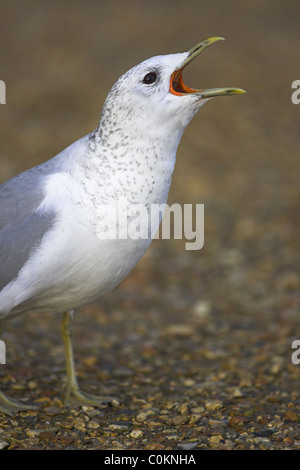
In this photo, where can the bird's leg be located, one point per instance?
(74, 396)
(10, 405)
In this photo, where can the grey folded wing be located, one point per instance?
(21, 195)
(21, 226)
(18, 241)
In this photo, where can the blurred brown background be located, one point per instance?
(240, 156)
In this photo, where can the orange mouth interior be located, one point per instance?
(177, 87)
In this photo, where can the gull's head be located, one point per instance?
(152, 99)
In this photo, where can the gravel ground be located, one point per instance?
(194, 345)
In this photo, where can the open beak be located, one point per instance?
(178, 88)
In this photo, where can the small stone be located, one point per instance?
(86, 409)
(279, 436)
(262, 419)
(236, 421)
(47, 435)
(18, 386)
(194, 419)
(32, 433)
(32, 385)
(90, 361)
(184, 409)
(3, 444)
(143, 415)
(155, 447)
(66, 440)
(172, 437)
(245, 382)
(201, 309)
(275, 368)
(290, 415)
(237, 393)
(215, 439)
(181, 330)
(189, 383)
(288, 440)
(79, 424)
(136, 434)
(197, 409)
(274, 399)
(213, 405)
(115, 402)
(187, 445)
(33, 441)
(118, 427)
(93, 425)
(52, 410)
(153, 424)
(179, 420)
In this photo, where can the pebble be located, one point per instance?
(201, 309)
(155, 446)
(237, 393)
(290, 415)
(184, 409)
(93, 425)
(79, 424)
(236, 421)
(197, 410)
(32, 385)
(187, 445)
(3, 444)
(215, 439)
(136, 434)
(143, 415)
(117, 426)
(154, 424)
(47, 435)
(66, 440)
(32, 433)
(213, 405)
(179, 420)
(53, 410)
(182, 330)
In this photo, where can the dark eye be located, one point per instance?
(150, 78)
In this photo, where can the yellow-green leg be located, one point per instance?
(74, 396)
(10, 405)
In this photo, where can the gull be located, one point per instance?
(56, 252)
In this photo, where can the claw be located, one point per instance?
(76, 397)
(11, 406)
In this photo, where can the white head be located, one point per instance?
(152, 100)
